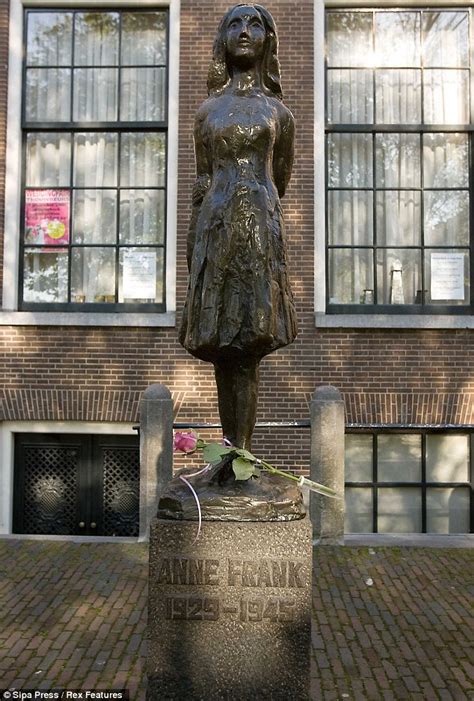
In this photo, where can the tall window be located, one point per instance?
(399, 120)
(401, 482)
(94, 126)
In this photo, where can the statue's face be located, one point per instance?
(245, 35)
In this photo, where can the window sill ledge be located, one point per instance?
(12, 318)
(397, 321)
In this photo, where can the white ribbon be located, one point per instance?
(193, 491)
(196, 498)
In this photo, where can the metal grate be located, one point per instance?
(50, 489)
(121, 501)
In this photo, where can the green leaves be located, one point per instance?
(243, 468)
(244, 454)
(243, 463)
(213, 452)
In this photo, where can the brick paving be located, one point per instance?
(388, 622)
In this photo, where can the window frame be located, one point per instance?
(93, 314)
(419, 129)
(382, 315)
(423, 484)
(73, 127)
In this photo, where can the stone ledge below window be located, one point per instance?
(117, 319)
(395, 321)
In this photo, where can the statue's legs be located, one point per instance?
(237, 392)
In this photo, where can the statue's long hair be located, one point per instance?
(218, 76)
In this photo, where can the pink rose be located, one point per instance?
(185, 442)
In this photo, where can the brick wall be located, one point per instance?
(99, 373)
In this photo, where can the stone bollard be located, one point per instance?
(156, 450)
(327, 464)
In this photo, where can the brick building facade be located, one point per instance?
(399, 374)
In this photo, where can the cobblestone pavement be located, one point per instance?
(389, 623)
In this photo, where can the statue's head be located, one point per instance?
(246, 37)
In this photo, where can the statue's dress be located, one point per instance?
(239, 302)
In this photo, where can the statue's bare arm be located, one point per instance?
(284, 151)
(203, 179)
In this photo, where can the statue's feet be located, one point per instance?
(223, 498)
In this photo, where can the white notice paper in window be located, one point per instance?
(139, 275)
(447, 276)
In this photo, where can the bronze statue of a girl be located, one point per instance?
(239, 304)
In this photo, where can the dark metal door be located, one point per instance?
(119, 491)
(76, 485)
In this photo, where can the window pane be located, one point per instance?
(446, 160)
(95, 159)
(398, 96)
(398, 276)
(47, 214)
(93, 275)
(143, 95)
(399, 458)
(95, 94)
(397, 158)
(142, 216)
(96, 39)
(350, 217)
(358, 458)
(399, 510)
(95, 216)
(351, 279)
(446, 215)
(49, 39)
(446, 96)
(142, 160)
(447, 276)
(349, 38)
(141, 275)
(397, 38)
(350, 160)
(398, 218)
(45, 276)
(48, 95)
(48, 159)
(358, 515)
(446, 39)
(143, 38)
(350, 97)
(447, 458)
(447, 510)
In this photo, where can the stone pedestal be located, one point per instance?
(230, 615)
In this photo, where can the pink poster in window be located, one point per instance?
(47, 217)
